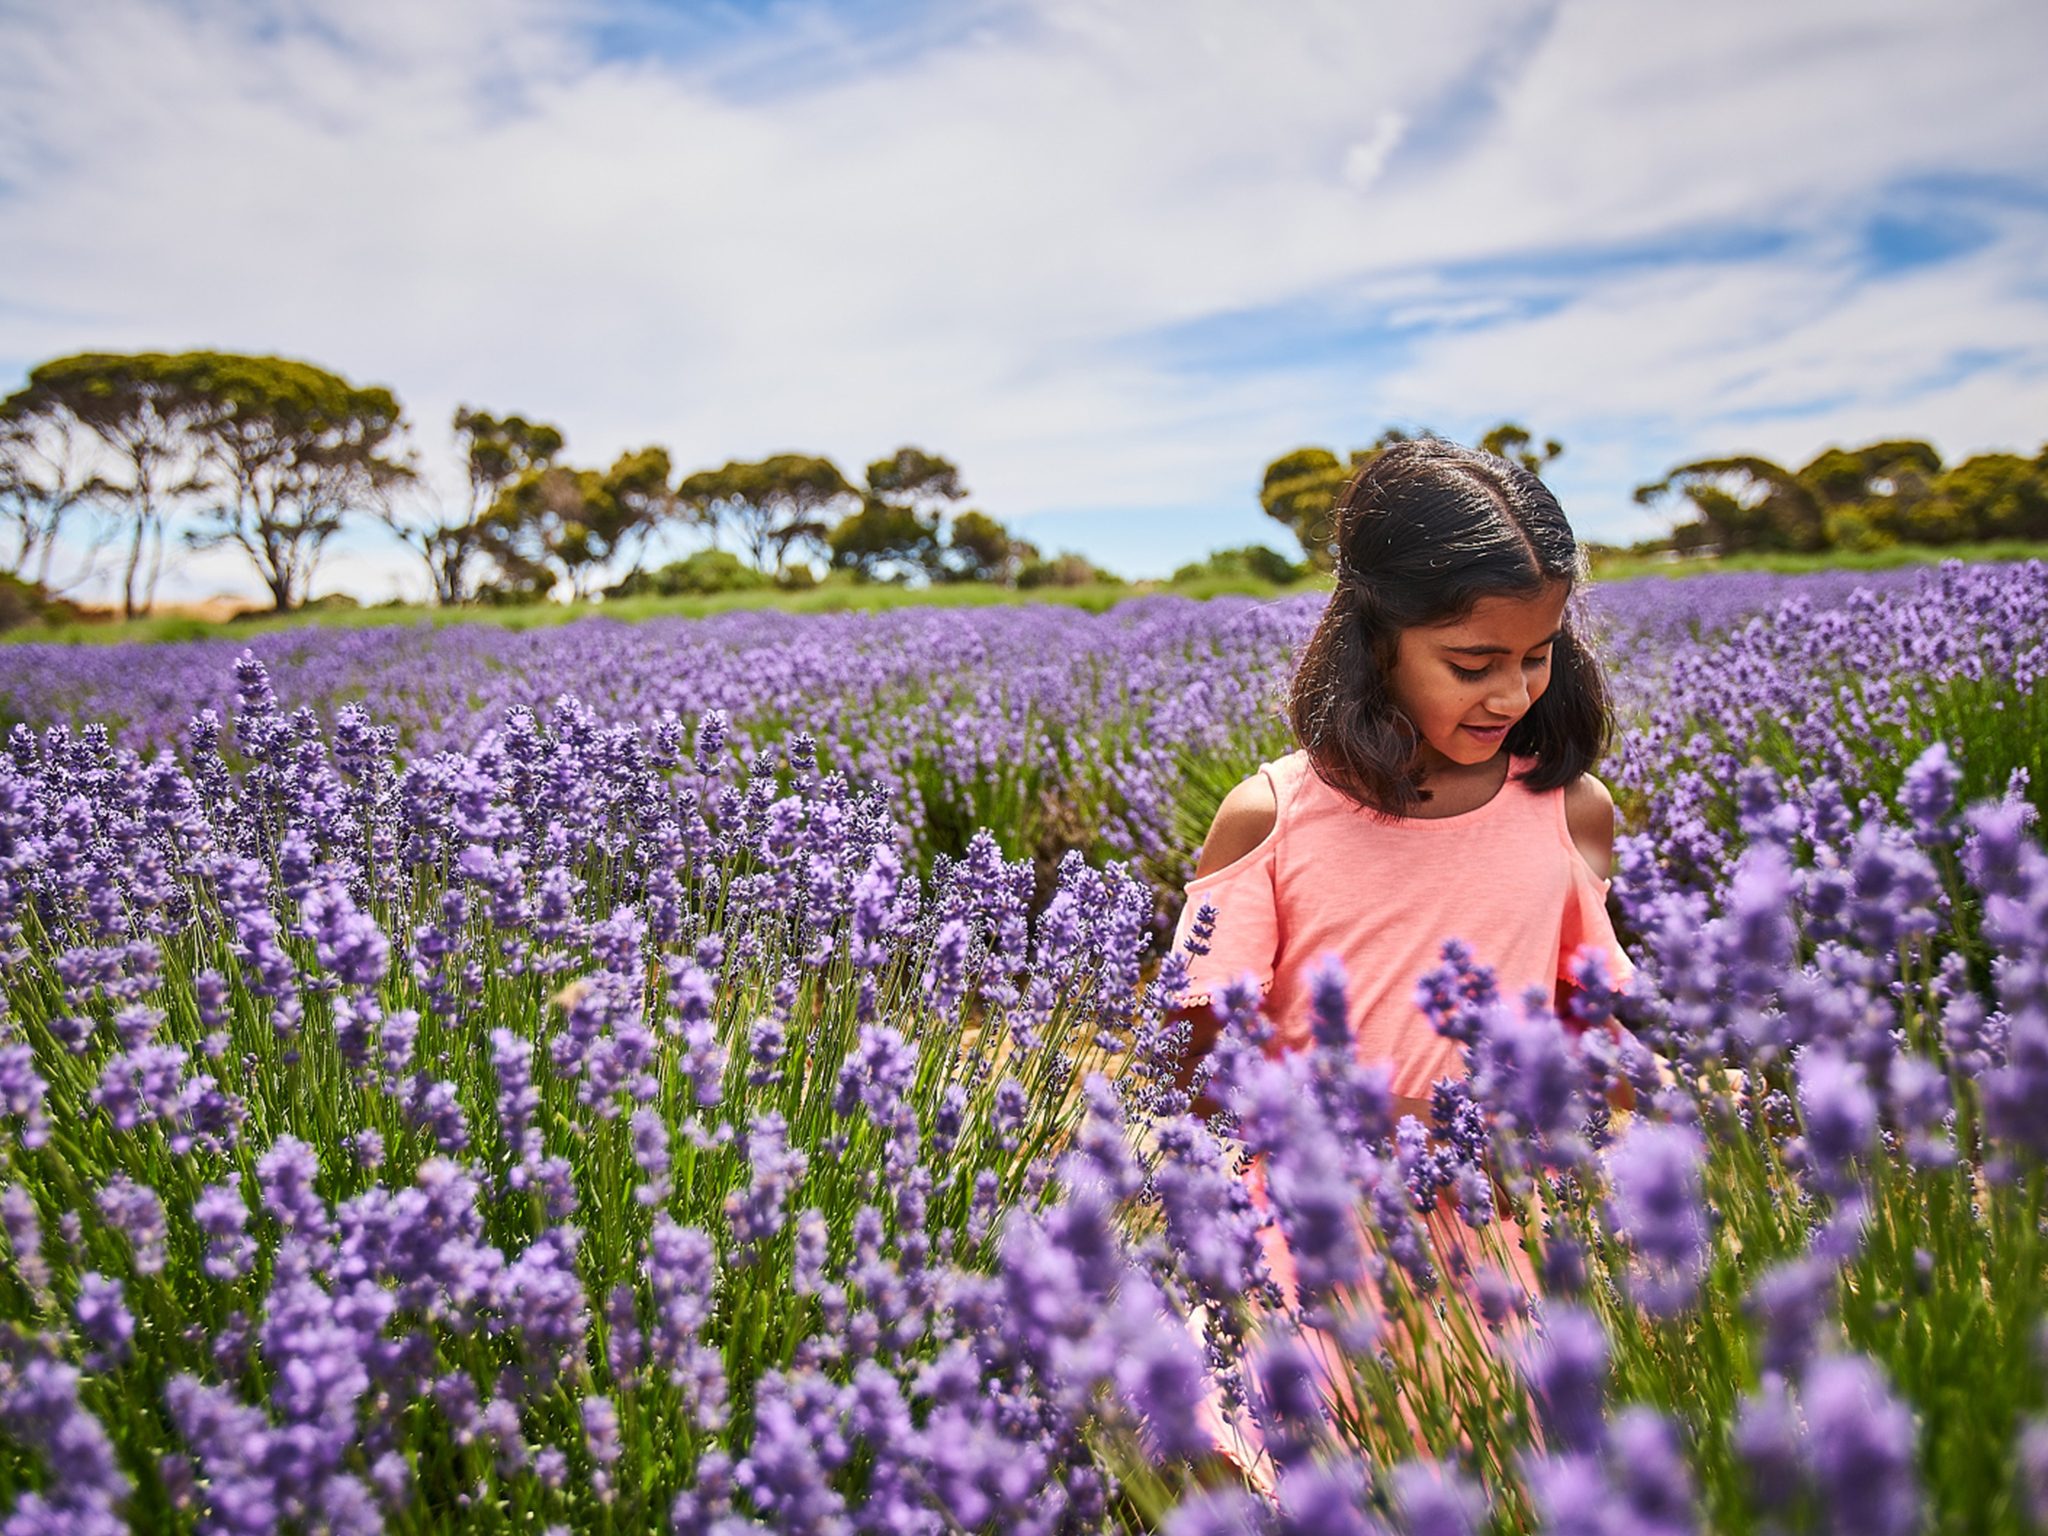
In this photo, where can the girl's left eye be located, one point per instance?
(1469, 674)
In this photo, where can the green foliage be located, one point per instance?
(1510, 440)
(495, 452)
(1856, 499)
(706, 571)
(776, 504)
(1300, 489)
(978, 548)
(288, 452)
(1066, 569)
(894, 536)
(886, 542)
(142, 407)
(24, 603)
(1251, 560)
(913, 478)
(576, 521)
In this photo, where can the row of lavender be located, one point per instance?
(582, 1129)
(1052, 727)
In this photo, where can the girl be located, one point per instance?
(1447, 713)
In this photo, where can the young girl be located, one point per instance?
(1447, 714)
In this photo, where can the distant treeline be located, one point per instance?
(1885, 494)
(105, 456)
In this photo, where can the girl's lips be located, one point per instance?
(1488, 732)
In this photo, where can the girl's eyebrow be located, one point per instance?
(1500, 650)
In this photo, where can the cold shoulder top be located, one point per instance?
(1382, 894)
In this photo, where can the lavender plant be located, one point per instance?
(579, 1119)
(546, 1134)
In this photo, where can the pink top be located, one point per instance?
(1383, 894)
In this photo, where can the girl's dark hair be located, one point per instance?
(1423, 532)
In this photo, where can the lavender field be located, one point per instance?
(717, 1076)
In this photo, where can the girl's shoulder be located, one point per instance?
(1589, 818)
(1249, 814)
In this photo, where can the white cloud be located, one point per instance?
(969, 233)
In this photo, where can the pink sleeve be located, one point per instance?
(1247, 931)
(1586, 923)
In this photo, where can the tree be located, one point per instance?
(289, 451)
(1254, 560)
(1511, 441)
(1995, 496)
(981, 549)
(894, 536)
(775, 504)
(885, 542)
(1300, 491)
(46, 475)
(1876, 495)
(707, 571)
(577, 520)
(1742, 503)
(496, 451)
(910, 477)
(142, 406)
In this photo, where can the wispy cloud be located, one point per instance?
(1112, 257)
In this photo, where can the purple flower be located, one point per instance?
(1654, 1201)
(286, 1174)
(1649, 1473)
(1768, 1437)
(1791, 1298)
(1008, 1112)
(2033, 1461)
(1860, 1447)
(103, 1316)
(1290, 1400)
(24, 1236)
(1928, 796)
(1222, 1512)
(137, 1214)
(1159, 1370)
(1324, 1500)
(221, 1213)
(543, 1300)
(775, 1168)
(1839, 1111)
(1565, 1369)
(650, 1152)
(40, 1410)
(349, 944)
(1432, 1499)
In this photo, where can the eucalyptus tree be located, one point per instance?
(142, 406)
(48, 476)
(289, 452)
(580, 522)
(894, 535)
(775, 504)
(496, 451)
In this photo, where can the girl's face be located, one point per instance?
(1463, 684)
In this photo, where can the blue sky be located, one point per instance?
(1112, 256)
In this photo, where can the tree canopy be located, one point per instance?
(1891, 492)
(142, 407)
(287, 452)
(894, 534)
(774, 504)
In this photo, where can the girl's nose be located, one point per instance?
(1511, 697)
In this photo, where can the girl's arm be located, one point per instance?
(1243, 821)
(1589, 815)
